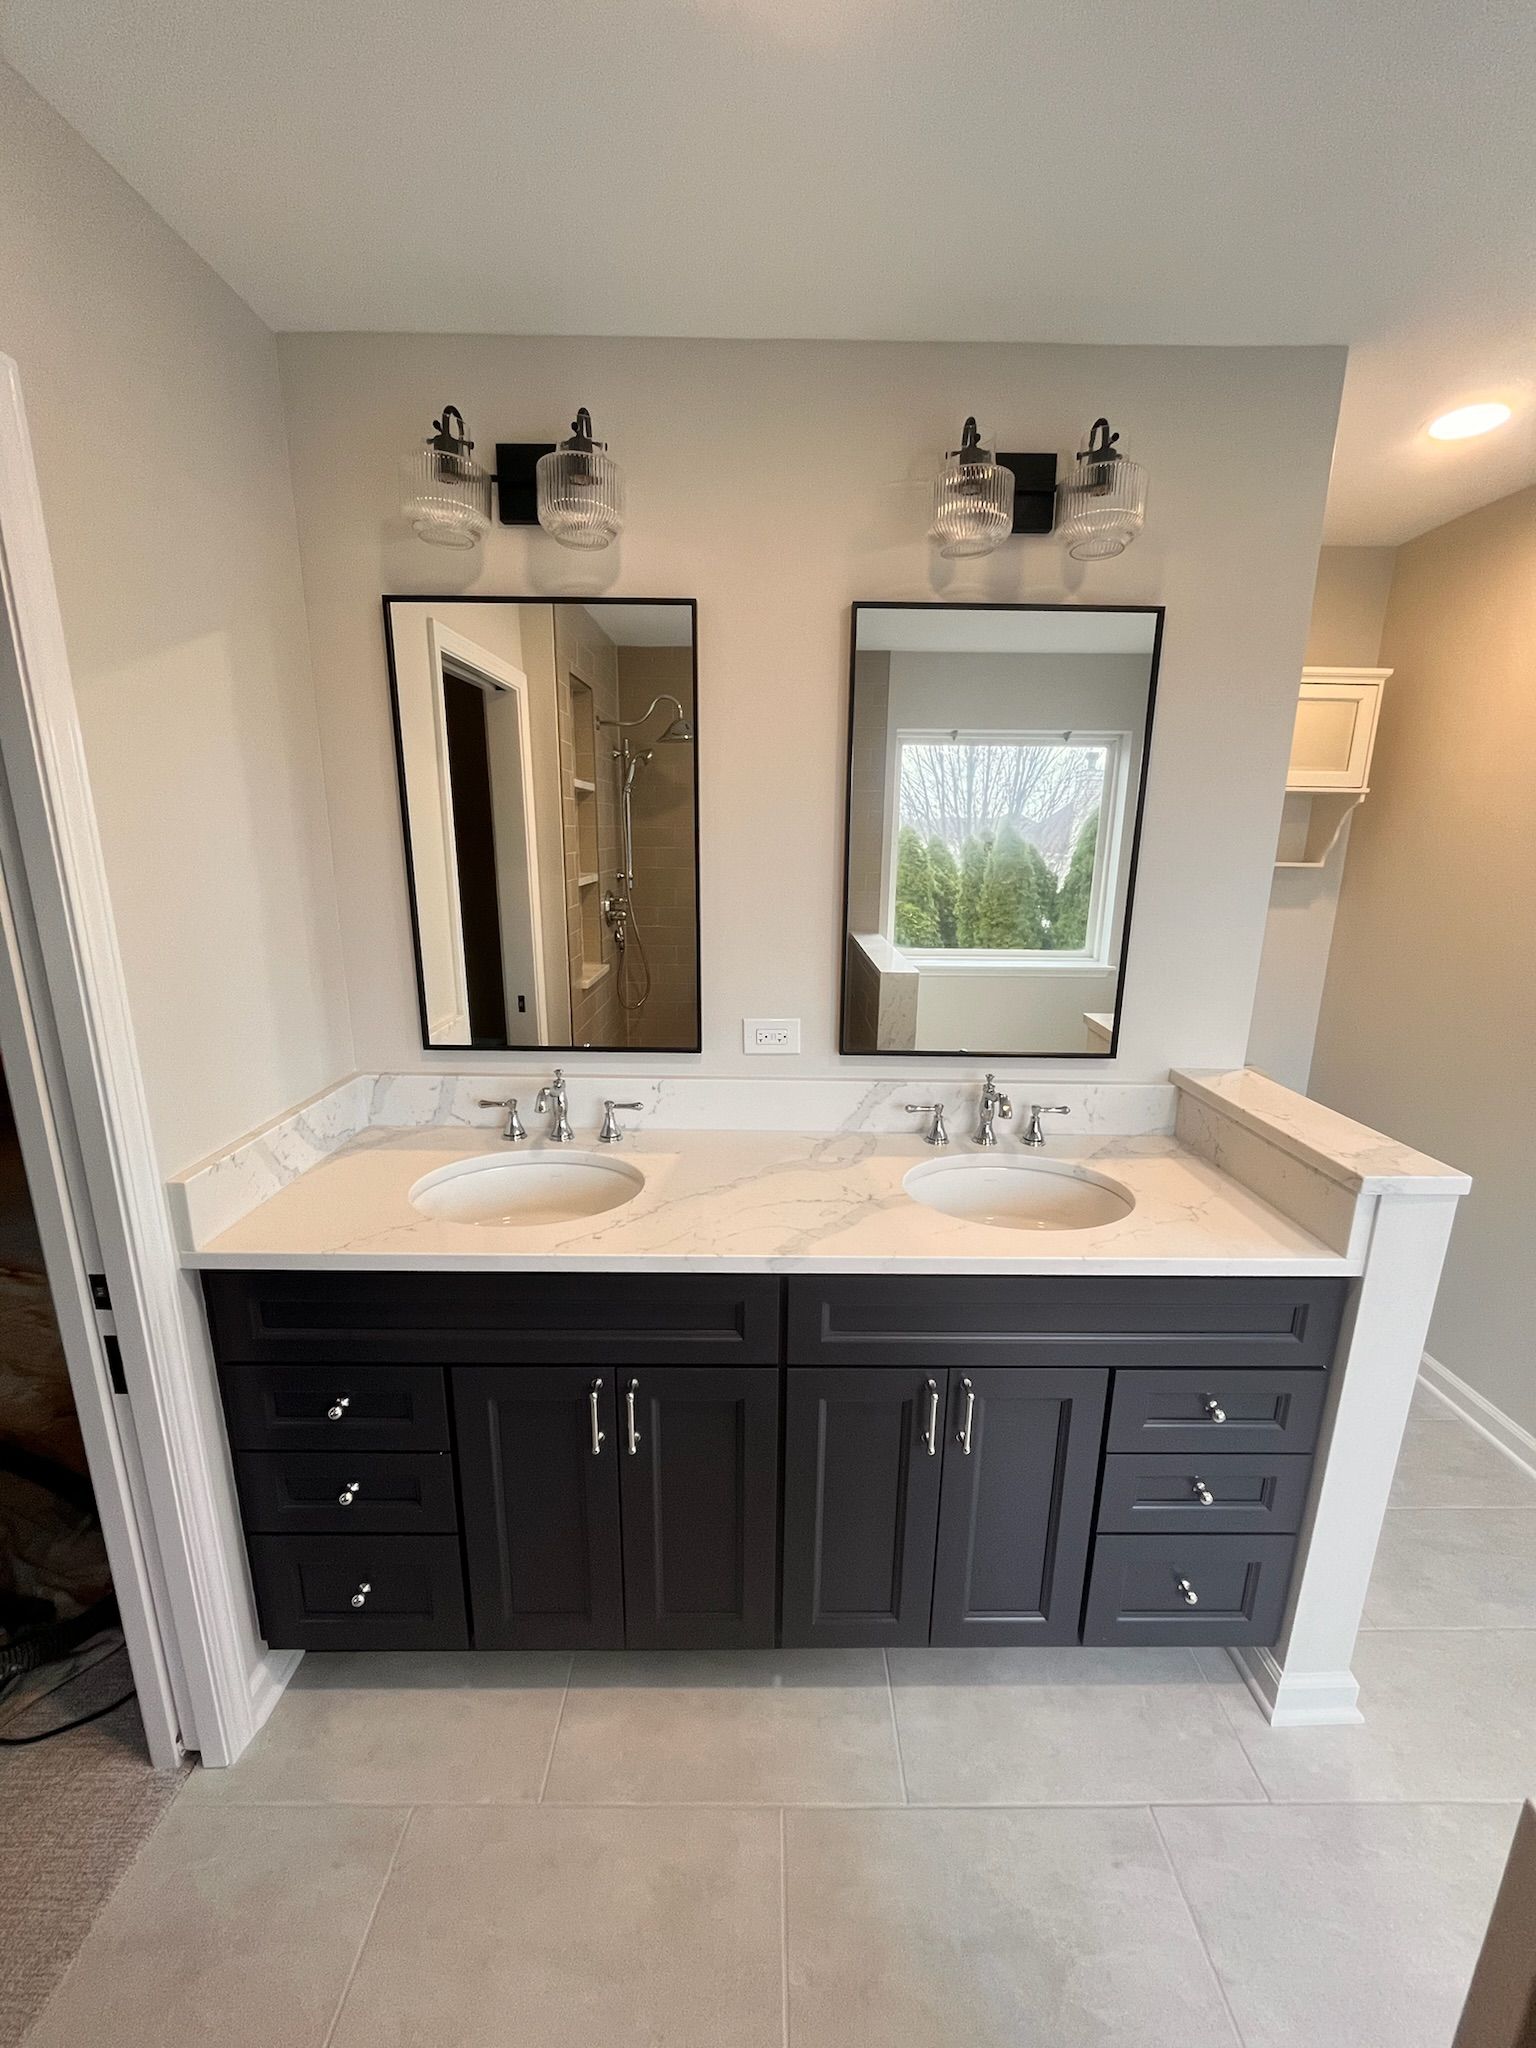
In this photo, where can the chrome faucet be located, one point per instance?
(512, 1127)
(994, 1103)
(1033, 1135)
(552, 1098)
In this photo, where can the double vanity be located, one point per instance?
(727, 1388)
(678, 1361)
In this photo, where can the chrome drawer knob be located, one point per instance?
(338, 1408)
(1214, 1409)
(361, 1594)
(1191, 1597)
(1202, 1493)
(349, 1493)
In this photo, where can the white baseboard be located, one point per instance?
(1305, 1699)
(269, 1682)
(1501, 1430)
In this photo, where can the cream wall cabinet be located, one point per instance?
(1330, 768)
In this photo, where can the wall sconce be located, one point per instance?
(575, 490)
(981, 498)
(444, 492)
(1103, 500)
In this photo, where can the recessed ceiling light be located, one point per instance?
(1468, 420)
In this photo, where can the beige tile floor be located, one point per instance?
(839, 1850)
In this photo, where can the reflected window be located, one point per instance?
(1003, 841)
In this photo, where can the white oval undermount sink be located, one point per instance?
(527, 1187)
(1019, 1194)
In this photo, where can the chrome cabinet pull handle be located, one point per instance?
(361, 1595)
(1214, 1409)
(1191, 1597)
(931, 1433)
(629, 1412)
(963, 1433)
(1202, 1492)
(349, 1493)
(338, 1408)
(597, 1434)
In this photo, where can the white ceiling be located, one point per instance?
(644, 625)
(986, 629)
(1051, 170)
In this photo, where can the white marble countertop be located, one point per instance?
(766, 1201)
(1348, 1153)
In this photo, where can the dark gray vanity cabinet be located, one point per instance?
(538, 1450)
(1021, 1461)
(612, 1508)
(941, 1507)
(861, 1503)
(671, 1461)
(699, 1480)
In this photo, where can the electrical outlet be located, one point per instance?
(770, 1034)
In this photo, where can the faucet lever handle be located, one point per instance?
(611, 1134)
(938, 1131)
(512, 1129)
(1033, 1135)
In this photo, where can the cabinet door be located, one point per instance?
(1021, 1461)
(1334, 734)
(538, 1474)
(861, 1503)
(699, 1479)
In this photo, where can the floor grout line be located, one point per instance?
(783, 1928)
(346, 1989)
(1199, 1933)
(901, 1762)
(549, 1761)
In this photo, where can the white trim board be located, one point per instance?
(189, 1497)
(1501, 1430)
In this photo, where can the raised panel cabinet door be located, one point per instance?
(699, 1486)
(861, 1503)
(1021, 1461)
(539, 1484)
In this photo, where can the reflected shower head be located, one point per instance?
(678, 731)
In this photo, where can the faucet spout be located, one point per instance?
(994, 1104)
(552, 1098)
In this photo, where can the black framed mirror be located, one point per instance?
(997, 765)
(549, 798)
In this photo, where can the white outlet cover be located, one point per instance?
(770, 1036)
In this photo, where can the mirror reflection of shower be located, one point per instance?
(619, 903)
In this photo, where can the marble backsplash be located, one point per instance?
(211, 1196)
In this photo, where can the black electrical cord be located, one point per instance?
(66, 1727)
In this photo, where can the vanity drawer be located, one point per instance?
(325, 1408)
(1263, 1494)
(1188, 1589)
(1001, 1319)
(1210, 1411)
(496, 1318)
(411, 1590)
(350, 1492)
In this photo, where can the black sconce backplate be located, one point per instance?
(516, 491)
(1034, 491)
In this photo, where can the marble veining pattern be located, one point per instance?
(766, 1201)
(212, 1196)
(1360, 1159)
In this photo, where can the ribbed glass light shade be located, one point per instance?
(447, 498)
(1103, 499)
(581, 496)
(972, 499)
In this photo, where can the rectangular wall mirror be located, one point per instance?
(549, 795)
(997, 758)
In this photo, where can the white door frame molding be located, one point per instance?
(227, 1682)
